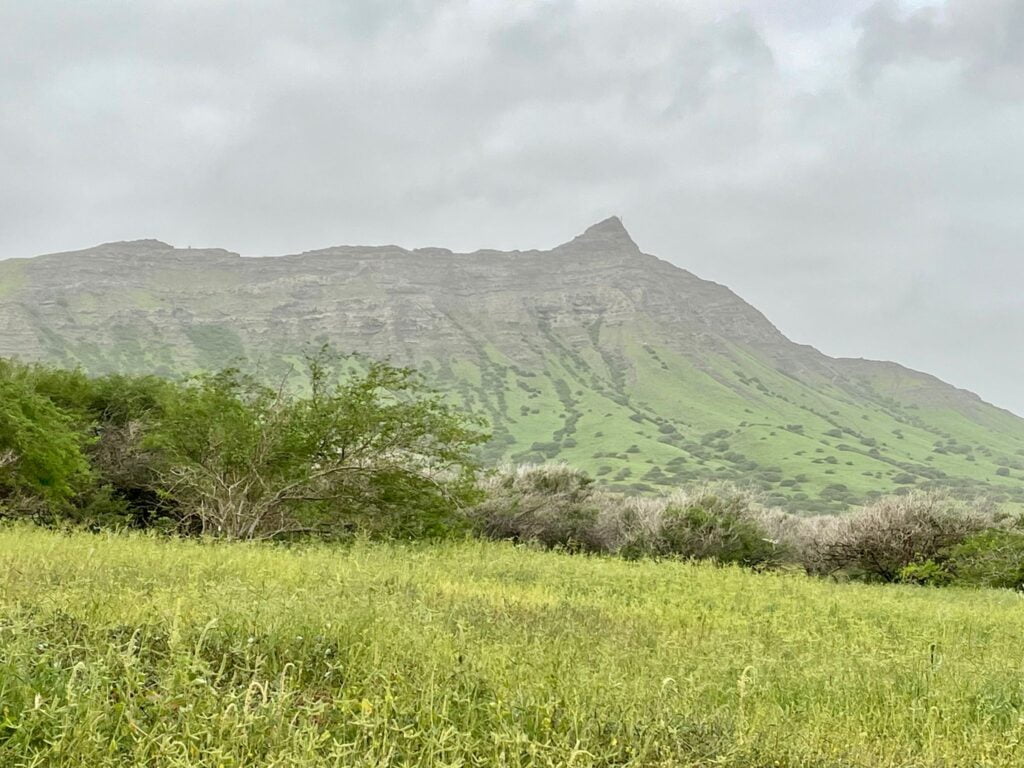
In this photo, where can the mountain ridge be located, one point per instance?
(549, 344)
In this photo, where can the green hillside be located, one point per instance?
(592, 352)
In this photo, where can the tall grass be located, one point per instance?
(135, 650)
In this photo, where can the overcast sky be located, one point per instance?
(854, 169)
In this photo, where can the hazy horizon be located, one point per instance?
(854, 170)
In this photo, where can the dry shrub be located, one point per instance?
(557, 506)
(879, 540)
(552, 504)
(8, 458)
(628, 525)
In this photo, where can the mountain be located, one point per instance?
(593, 352)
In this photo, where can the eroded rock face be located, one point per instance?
(593, 336)
(381, 300)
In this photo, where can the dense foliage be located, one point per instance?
(992, 558)
(42, 459)
(366, 447)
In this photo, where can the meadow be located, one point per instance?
(140, 650)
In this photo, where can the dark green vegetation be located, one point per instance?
(369, 448)
(594, 352)
(992, 558)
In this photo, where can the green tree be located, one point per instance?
(42, 459)
(375, 449)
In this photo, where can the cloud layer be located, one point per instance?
(855, 169)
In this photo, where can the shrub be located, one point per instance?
(554, 505)
(992, 558)
(98, 421)
(714, 524)
(880, 540)
(42, 449)
(927, 573)
(557, 506)
(224, 455)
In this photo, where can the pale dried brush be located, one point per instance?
(879, 540)
(559, 506)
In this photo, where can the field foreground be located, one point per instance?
(118, 650)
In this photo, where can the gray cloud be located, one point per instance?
(855, 169)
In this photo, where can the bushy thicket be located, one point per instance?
(877, 542)
(558, 506)
(367, 446)
(918, 537)
(992, 558)
(552, 504)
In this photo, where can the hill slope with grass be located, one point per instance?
(593, 352)
(134, 650)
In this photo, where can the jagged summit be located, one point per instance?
(609, 232)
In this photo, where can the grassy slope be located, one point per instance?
(808, 449)
(120, 651)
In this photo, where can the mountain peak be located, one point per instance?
(609, 231)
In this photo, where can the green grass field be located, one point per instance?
(118, 650)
